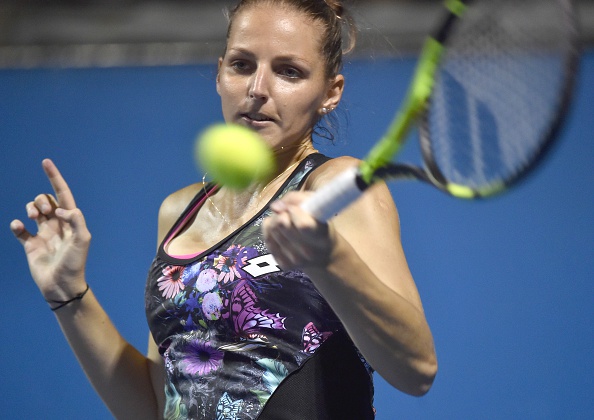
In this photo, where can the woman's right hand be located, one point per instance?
(57, 253)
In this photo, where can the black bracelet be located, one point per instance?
(62, 303)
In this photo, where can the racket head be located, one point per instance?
(501, 94)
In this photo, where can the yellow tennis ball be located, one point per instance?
(233, 155)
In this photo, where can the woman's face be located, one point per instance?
(272, 77)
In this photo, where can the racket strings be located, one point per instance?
(498, 91)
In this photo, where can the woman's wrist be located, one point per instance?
(60, 297)
(56, 304)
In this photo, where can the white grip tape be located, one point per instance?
(334, 196)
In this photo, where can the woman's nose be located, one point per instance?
(259, 88)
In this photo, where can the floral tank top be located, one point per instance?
(232, 326)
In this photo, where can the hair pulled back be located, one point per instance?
(339, 31)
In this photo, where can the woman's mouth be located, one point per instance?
(256, 119)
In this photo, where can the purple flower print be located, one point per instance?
(201, 358)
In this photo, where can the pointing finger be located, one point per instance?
(63, 194)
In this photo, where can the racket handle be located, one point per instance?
(335, 196)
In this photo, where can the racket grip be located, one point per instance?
(335, 196)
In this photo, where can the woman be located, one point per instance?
(255, 309)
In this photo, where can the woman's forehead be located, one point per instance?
(275, 26)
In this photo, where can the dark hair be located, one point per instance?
(336, 21)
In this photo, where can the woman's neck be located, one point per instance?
(241, 205)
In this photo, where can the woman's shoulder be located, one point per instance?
(328, 170)
(175, 203)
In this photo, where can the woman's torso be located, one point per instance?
(236, 331)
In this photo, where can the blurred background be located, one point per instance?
(115, 92)
(105, 33)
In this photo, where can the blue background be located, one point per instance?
(506, 283)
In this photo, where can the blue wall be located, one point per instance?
(507, 283)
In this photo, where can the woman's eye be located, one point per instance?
(239, 65)
(291, 72)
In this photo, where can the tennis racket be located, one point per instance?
(490, 93)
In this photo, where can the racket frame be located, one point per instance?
(378, 165)
(569, 77)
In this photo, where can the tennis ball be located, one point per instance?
(233, 155)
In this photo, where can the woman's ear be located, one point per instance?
(219, 64)
(334, 93)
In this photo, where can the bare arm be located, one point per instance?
(57, 257)
(357, 262)
(121, 375)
